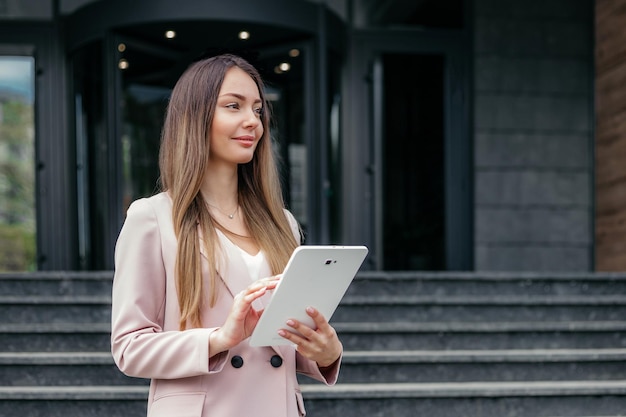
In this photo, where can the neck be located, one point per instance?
(219, 188)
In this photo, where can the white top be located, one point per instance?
(253, 262)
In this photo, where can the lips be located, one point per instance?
(246, 140)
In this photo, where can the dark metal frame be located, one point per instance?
(54, 151)
(367, 46)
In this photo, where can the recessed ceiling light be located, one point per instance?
(244, 35)
(170, 34)
(122, 64)
(282, 67)
(294, 53)
(121, 47)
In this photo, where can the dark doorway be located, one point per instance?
(413, 180)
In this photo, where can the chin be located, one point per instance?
(245, 160)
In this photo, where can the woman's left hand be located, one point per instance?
(321, 345)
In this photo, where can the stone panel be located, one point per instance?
(495, 74)
(532, 226)
(522, 112)
(535, 9)
(533, 188)
(533, 109)
(532, 38)
(532, 150)
(532, 258)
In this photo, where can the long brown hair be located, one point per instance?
(183, 160)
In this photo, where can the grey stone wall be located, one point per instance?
(533, 135)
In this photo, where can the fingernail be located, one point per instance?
(281, 333)
(310, 310)
(290, 322)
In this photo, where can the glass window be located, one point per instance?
(17, 164)
(93, 173)
(147, 77)
(283, 71)
(26, 9)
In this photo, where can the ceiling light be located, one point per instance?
(122, 64)
(121, 47)
(244, 35)
(282, 67)
(170, 34)
(294, 53)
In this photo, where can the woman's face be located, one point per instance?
(237, 126)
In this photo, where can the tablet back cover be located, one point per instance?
(316, 276)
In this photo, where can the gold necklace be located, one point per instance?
(230, 216)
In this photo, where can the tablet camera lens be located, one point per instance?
(328, 261)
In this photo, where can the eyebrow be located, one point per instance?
(239, 96)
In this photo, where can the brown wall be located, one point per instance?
(610, 103)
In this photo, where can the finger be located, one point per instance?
(318, 318)
(272, 278)
(272, 282)
(268, 283)
(244, 299)
(250, 297)
(292, 337)
(303, 329)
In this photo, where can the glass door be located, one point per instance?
(17, 161)
(147, 73)
(121, 86)
(284, 69)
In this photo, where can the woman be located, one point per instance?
(195, 264)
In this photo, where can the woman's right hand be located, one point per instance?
(242, 318)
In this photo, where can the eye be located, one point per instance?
(259, 111)
(232, 106)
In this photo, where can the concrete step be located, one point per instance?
(95, 337)
(486, 283)
(482, 365)
(62, 369)
(365, 283)
(98, 368)
(56, 283)
(374, 308)
(55, 337)
(74, 401)
(56, 309)
(477, 399)
(97, 308)
(474, 335)
(511, 399)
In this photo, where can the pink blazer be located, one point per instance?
(146, 341)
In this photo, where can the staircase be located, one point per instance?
(416, 344)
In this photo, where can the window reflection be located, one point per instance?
(17, 164)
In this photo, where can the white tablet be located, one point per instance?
(316, 276)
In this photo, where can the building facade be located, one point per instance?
(444, 135)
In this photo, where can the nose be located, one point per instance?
(252, 120)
